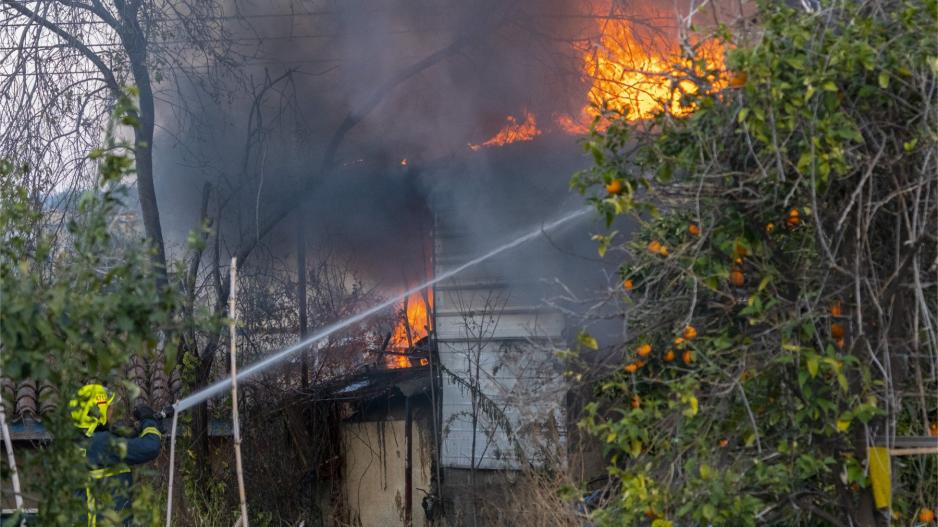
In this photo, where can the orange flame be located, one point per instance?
(409, 329)
(628, 75)
(512, 132)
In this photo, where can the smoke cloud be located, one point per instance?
(257, 141)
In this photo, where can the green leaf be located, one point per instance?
(842, 381)
(693, 406)
(636, 448)
(812, 363)
(883, 80)
(843, 423)
(795, 62)
(588, 341)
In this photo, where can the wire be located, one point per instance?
(259, 39)
(258, 16)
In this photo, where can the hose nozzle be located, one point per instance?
(168, 411)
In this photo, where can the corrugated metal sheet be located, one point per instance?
(491, 337)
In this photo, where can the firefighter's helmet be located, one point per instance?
(89, 408)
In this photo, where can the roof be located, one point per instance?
(370, 384)
(26, 402)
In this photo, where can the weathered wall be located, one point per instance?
(495, 335)
(373, 475)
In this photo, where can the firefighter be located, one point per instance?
(109, 456)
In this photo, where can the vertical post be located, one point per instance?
(233, 336)
(408, 464)
(11, 459)
(301, 293)
(172, 466)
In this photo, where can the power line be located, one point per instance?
(189, 69)
(257, 16)
(161, 20)
(109, 45)
(261, 16)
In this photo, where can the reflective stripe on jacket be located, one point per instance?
(109, 459)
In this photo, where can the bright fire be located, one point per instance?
(627, 74)
(512, 132)
(409, 329)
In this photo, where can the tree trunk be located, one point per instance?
(135, 43)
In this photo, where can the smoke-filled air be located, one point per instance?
(443, 263)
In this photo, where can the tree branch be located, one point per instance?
(109, 77)
(350, 121)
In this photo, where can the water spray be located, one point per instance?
(278, 357)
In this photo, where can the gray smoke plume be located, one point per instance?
(328, 60)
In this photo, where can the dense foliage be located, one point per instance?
(781, 282)
(74, 310)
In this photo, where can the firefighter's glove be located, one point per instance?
(143, 412)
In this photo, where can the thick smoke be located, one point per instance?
(514, 57)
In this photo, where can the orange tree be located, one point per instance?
(781, 285)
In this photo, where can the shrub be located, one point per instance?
(797, 211)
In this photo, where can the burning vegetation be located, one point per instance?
(631, 73)
(636, 77)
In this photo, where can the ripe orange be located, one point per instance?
(837, 330)
(739, 79)
(690, 332)
(654, 246)
(738, 261)
(614, 186)
(663, 250)
(794, 218)
(644, 350)
(627, 284)
(840, 343)
(631, 367)
(669, 355)
(933, 430)
(926, 515)
(688, 357)
(693, 229)
(636, 401)
(836, 311)
(678, 341)
(769, 227)
(737, 278)
(724, 442)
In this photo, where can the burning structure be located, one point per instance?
(464, 381)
